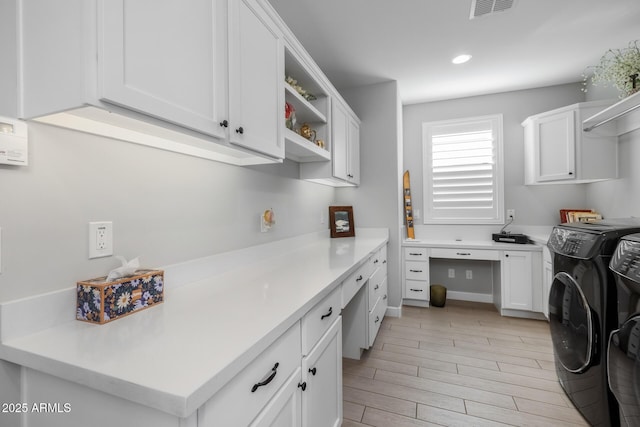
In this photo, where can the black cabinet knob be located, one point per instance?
(240, 130)
(224, 123)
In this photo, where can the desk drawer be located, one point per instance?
(318, 320)
(376, 289)
(352, 284)
(415, 289)
(465, 253)
(416, 270)
(416, 254)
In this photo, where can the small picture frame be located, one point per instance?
(341, 221)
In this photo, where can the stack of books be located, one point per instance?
(579, 215)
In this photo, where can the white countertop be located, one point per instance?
(176, 355)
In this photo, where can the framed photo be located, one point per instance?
(341, 221)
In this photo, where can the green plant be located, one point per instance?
(618, 67)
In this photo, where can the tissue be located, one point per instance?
(128, 268)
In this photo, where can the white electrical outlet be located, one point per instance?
(511, 214)
(469, 274)
(100, 239)
(452, 273)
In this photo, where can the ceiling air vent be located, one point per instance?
(488, 7)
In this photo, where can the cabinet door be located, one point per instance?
(322, 373)
(165, 60)
(517, 292)
(555, 141)
(340, 138)
(256, 76)
(354, 152)
(285, 409)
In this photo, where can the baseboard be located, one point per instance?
(470, 296)
(394, 311)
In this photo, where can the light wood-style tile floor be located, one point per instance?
(460, 365)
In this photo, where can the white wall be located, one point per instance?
(376, 201)
(165, 208)
(534, 205)
(619, 198)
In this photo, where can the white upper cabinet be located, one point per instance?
(557, 150)
(165, 60)
(203, 80)
(256, 100)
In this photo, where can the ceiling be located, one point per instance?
(535, 43)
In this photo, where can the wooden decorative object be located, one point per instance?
(408, 206)
(341, 221)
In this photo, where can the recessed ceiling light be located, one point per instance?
(461, 59)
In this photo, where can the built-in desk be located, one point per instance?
(516, 272)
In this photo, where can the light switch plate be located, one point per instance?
(100, 239)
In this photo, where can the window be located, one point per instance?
(462, 169)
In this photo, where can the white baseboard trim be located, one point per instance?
(470, 296)
(394, 311)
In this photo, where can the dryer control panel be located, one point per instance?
(573, 243)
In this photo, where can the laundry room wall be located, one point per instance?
(534, 205)
(165, 207)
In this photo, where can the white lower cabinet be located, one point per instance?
(415, 276)
(364, 311)
(245, 396)
(322, 381)
(285, 409)
(547, 279)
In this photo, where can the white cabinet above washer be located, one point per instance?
(558, 151)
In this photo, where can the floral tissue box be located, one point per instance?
(100, 302)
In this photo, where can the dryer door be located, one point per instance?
(571, 324)
(624, 370)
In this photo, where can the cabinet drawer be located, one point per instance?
(318, 320)
(375, 287)
(375, 320)
(352, 284)
(272, 367)
(414, 289)
(416, 254)
(416, 270)
(465, 253)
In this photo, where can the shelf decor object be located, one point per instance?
(341, 221)
(618, 67)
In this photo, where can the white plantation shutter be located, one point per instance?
(463, 171)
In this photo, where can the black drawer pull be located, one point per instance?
(224, 123)
(415, 290)
(359, 278)
(240, 130)
(384, 262)
(416, 271)
(274, 371)
(377, 319)
(313, 371)
(376, 287)
(384, 297)
(414, 254)
(329, 313)
(375, 262)
(463, 253)
(303, 386)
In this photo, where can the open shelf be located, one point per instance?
(302, 150)
(305, 110)
(618, 119)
